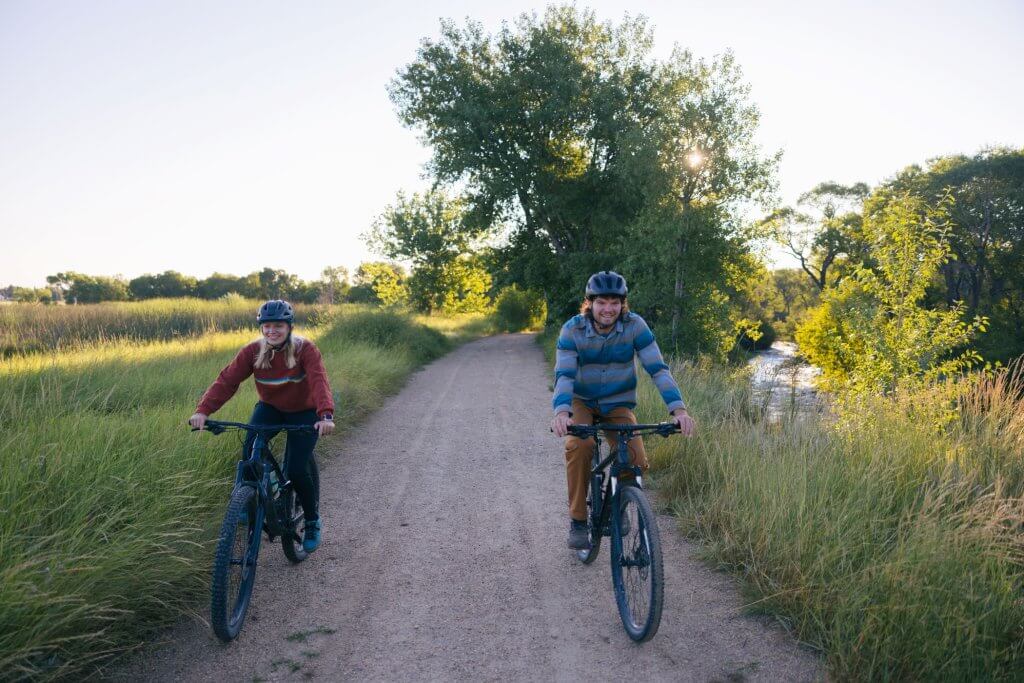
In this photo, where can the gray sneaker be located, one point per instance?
(579, 535)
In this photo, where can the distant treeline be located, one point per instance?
(334, 286)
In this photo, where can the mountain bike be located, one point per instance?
(262, 500)
(637, 571)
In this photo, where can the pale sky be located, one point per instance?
(137, 137)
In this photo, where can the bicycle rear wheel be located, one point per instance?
(234, 564)
(290, 510)
(637, 570)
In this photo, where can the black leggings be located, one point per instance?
(302, 468)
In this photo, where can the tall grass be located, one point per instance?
(892, 539)
(108, 504)
(26, 328)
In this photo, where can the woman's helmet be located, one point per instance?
(276, 311)
(606, 283)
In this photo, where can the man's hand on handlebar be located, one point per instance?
(197, 421)
(560, 425)
(684, 422)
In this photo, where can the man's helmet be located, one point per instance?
(606, 283)
(276, 311)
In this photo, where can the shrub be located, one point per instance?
(518, 309)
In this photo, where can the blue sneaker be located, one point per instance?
(311, 539)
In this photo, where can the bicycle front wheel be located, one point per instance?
(234, 564)
(637, 570)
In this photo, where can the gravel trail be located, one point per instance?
(444, 558)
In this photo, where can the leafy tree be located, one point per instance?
(528, 121)
(334, 285)
(822, 229)
(221, 284)
(276, 283)
(380, 283)
(60, 283)
(431, 232)
(170, 283)
(91, 289)
(518, 310)
(567, 130)
(304, 292)
(796, 296)
(699, 167)
(466, 284)
(31, 294)
(986, 238)
(760, 309)
(873, 332)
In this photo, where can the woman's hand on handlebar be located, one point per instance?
(324, 427)
(198, 421)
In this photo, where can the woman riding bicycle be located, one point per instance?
(293, 389)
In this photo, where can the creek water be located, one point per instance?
(782, 382)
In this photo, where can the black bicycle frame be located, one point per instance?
(619, 461)
(254, 470)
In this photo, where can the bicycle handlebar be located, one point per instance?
(661, 428)
(220, 426)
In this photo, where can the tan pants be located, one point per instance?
(579, 451)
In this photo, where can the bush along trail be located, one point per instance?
(108, 504)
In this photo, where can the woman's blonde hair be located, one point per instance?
(266, 352)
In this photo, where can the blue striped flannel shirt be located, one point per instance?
(601, 370)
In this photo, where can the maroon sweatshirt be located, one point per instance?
(303, 387)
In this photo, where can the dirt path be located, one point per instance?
(445, 559)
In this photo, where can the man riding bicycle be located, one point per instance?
(595, 377)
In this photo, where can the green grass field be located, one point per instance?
(891, 539)
(108, 504)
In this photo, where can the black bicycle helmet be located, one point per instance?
(606, 283)
(276, 311)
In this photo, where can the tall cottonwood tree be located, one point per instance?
(697, 167)
(566, 128)
(530, 120)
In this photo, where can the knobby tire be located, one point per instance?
(234, 565)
